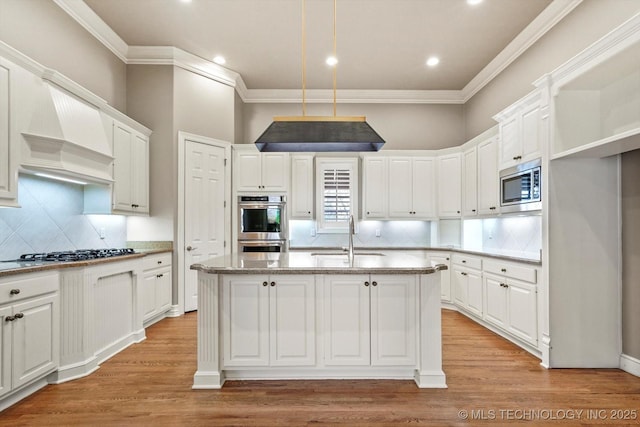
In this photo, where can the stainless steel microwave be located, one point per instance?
(521, 188)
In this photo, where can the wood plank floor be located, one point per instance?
(150, 384)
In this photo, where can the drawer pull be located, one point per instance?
(464, 261)
(273, 283)
(19, 315)
(159, 262)
(374, 283)
(504, 270)
(366, 283)
(9, 318)
(14, 291)
(463, 273)
(265, 284)
(160, 275)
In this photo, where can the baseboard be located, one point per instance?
(630, 364)
(22, 393)
(174, 311)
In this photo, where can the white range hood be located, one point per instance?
(67, 137)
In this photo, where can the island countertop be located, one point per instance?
(318, 263)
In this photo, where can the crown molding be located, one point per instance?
(91, 22)
(169, 55)
(547, 19)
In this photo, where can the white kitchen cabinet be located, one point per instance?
(375, 187)
(511, 298)
(268, 320)
(411, 192)
(301, 200)
(29, 329)
(488, 178)
(130, 171)
(467, 283)
(449, 185)
(260, 172)
(8, 166)
(470, 181)
(519, 128)
(370, 320)
(445, 275)
(156, 287)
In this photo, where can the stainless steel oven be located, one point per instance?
(262, 223)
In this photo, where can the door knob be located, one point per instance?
(190, 248)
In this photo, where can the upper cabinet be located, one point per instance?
(470, 182)
(411, 188)
(301, 200)
(259, 172)
(375, 190)
(449, 185)
(488, 184)
(520, 132)
(130, 170)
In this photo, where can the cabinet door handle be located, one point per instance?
(464, 261)
(273, 283)
(473, 210)
(14, 291)
(309, 212)
(374, 283)
(9, 318)
(159, 275)
(265, 284)
(447, 258)
(504, 270)
(463, 273)
(366, 283)
(159, 262)
(19, 315)
(458, 211)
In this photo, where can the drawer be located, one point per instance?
(467, 261)
(511, 270)
(27, 286)
(156, 260)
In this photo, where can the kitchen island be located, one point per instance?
(322, 315)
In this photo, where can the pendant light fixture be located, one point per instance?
(319, 133)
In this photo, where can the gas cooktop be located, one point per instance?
(77, 255)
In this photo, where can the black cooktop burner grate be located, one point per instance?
(78, 255)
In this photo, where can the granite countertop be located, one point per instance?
(297, 262)
(491, 254)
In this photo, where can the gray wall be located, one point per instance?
(150, 101)
(402, 126)
(631, 253)
(45, 33)
(591, 20)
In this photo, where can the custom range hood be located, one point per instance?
(67, 137)
(318, 133)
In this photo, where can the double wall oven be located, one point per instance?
(262, 224)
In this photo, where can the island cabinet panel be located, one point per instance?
(268, 320)
(393, 320)
(346, 320)
(370, 320)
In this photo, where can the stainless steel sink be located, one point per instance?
(345, 253)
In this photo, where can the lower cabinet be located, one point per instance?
(156, 287)
(511, 305)
(268, 320)
(445, 275)
(29, 329)
(370, 320)
(467, 288)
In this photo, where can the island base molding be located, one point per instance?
(423, 379)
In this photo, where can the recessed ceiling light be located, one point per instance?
(433, 61)
(219, 60)
(332, 60)
(474, 2)
(185, 1)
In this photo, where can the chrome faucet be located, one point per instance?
(352, 231)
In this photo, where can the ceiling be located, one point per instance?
(381, 44)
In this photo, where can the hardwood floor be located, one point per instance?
(490, 378)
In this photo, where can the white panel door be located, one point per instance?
(245, 320)
(470, 187)
(474, 292)
(140, 172)
(488, 183)
(375, 188)
(510, 145)
(423, 188)
(122, 188)
(204, 211)
(459, 285)
(149, 290)
(449, 185)
(400, 191)
(495, 301)
(522, 306)
(292, 320)
(530, 135)
(445, 275)
(393, 320)
(301, 200)
(163, 290)
(35, 343)
(5, 351)
(248, 171)
(275, 172)
(346, 320)
(6, 172)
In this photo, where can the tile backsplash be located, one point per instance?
(51, 219)
(509, 235)
(391, 234)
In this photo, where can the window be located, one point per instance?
(337, 183)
